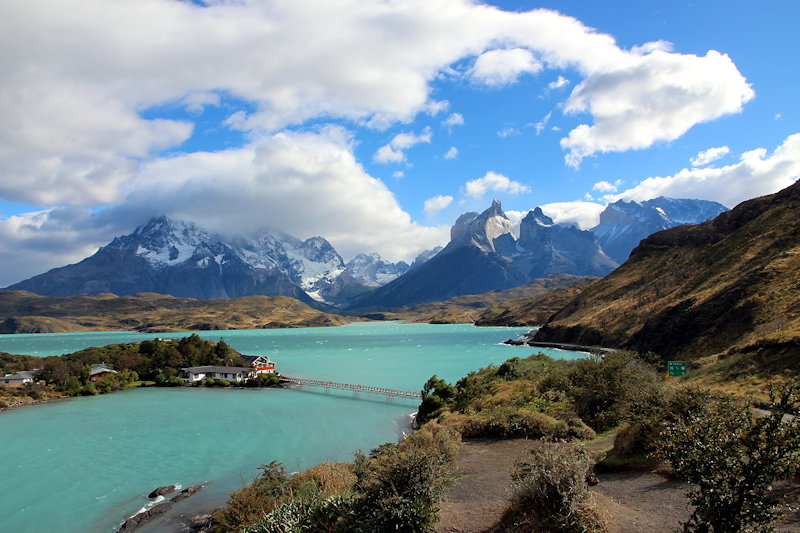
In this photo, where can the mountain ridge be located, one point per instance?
(729, 285)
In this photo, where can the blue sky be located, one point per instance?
(375, 124)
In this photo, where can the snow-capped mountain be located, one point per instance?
(545, 248)
(372, 271)
(175, 257)
(623, 224)
(484, 254)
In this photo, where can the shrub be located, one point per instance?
(297, 516)
(437, 394)
(605, 387)
(401, 488)
(550, 493)
(251, 503)
(731, 456)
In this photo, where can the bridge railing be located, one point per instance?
(348, 386)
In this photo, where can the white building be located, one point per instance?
(228, 373)
(18, 379)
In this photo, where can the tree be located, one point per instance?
(436, 394)
(731, 455)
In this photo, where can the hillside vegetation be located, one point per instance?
(724, 294)
(25, 312)
(541, 298)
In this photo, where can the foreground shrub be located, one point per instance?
(604, 388)
(550, 493)
(397, 487)
(731, 456)
(251, 503)
(402, 485)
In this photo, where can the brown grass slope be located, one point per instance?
(484, 307)
(26, 312)
(728, 286)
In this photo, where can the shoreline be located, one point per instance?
(527, 340)
(191, 516)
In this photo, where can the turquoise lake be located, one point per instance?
(85, 464)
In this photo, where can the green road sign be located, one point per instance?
(676, 368)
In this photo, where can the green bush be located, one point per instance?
(436, 396)
(401, 487)
(605, 388)
(731, 455)
(251, 503)
(550, 493)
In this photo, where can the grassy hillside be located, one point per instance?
(485, 307)
(725, 293)
(25, 312)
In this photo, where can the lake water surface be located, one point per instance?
(84, 464)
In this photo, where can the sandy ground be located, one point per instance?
(631, 501)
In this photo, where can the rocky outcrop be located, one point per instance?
(139, 519)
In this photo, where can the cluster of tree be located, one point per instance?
(539, 397)
(158, 360)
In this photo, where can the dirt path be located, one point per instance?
(632, 501)
(478, 499)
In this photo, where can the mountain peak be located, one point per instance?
(537, 216)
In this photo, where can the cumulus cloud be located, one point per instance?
(437, 203)
(77, 76)
(605, 186)
(452, 153)
(502, 67)
(394, 152)
(493, 181)
(707, 156)
(304, 183)
(650, 98)
(585, 215)
(756, 174)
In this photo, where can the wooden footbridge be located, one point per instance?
(328, 385)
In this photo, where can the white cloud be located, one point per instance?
(507, 132)
(303, 183)
(455, 119)
(648, 98)
(437, 203)
(540, 125)
(394, 151)
(708, 156)
(558, 83)
(605, 186)
(398, 174)
(494, 182)
(76, 77)
(497, 68)
(434, 107)
(452, 153)
(585, 215)
(756, 174)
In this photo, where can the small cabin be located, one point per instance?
(98, 371)
(18, 379)
(228, 373)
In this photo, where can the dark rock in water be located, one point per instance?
(132, 523)
(161, 491)
(137, 520)
(185, 493)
